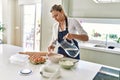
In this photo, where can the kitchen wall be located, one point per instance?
(47, 22)
(8, 9)
(11, 18)
(18, 25)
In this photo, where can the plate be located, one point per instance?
(50, 71)
(25, 71)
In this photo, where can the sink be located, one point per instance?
(101, 76)
(111, 47)
(98, 45)
(107, 74)
(104, 46)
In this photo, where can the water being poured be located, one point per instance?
(70, 48)
(72, 52)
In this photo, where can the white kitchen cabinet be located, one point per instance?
(101, 57)
(90, 9)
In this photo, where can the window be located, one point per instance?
(102, 32)
(31, 26)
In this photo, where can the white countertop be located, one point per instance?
(91, 46)
(9, 71)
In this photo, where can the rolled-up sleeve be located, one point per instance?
(78, 27)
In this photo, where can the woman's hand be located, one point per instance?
(51, 48)
(69, 36)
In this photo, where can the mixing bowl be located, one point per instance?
(55, 58)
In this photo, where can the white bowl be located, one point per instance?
(55, 58)
(49, 71)
(67, 64)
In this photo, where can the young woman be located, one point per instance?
(65, 28)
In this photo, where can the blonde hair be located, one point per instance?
(56, 8)
(60, 9)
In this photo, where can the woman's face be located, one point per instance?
(58, 16)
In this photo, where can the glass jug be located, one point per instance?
(70, 48)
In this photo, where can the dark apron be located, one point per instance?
(60, 38)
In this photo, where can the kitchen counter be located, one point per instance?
(91, 46)
(9, 71)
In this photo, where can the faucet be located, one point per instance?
(106, 40)
(118, 41)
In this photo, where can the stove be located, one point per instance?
(107, 74)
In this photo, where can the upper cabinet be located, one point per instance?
(90, 9)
